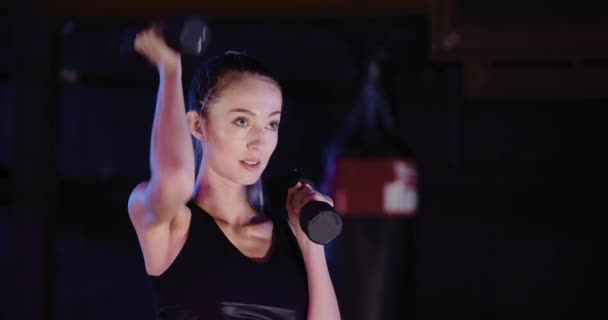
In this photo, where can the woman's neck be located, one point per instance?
(224, 200)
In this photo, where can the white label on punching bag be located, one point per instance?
(375, 186)
(400, 195)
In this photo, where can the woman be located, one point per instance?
(208, 252)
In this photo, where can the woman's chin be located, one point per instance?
(249, 181)
(246, 179)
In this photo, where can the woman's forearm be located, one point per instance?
(322, 301)
(171, 146)
(171, 154)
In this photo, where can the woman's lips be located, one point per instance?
(251, 165)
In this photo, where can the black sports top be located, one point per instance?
(211, 279)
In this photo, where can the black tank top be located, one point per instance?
(211, 279)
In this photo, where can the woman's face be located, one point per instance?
(240, 131)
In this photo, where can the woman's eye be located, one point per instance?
(273, 125)
(241, 122)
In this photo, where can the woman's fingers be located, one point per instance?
(151, 44)
(315, 197)
(300, 195)
(303, 199)
(290, 196)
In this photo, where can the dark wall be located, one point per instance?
(4, 259)
(7, 128)
(508, 227)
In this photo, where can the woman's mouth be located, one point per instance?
(251, 165)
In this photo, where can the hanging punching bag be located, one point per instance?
(370, 172)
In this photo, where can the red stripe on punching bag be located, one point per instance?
(375, 186)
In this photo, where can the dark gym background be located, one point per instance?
(503, 103)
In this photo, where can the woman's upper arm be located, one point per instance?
(160, 235)
(158, 200)
(137, 208)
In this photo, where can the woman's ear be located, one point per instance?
(196, 124)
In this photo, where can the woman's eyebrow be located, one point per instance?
(249, 112)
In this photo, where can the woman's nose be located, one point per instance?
(257, 141)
